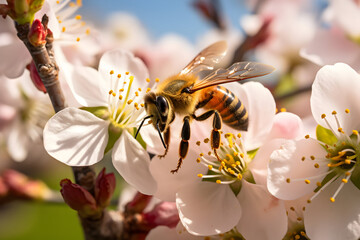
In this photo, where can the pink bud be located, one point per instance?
(139, 203)
(35, 77)
(37, 33)
(3, 188)
(78, 198)
(104, 188)
(164, 214)
(21, 186)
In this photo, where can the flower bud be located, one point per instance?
(104, 188)
(21, 11)
(138, 204)
(35, 77)
(37, 34)
(21, 186)
(78, 198)
(164, 214)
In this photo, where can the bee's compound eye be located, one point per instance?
(162, 105)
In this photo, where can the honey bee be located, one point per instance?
(186, 92)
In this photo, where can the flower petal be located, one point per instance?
(286, 125)
(76, 137)
(287, 171)
(264, 216)
(336, 88)
(334, 220)
(168, 183)
(18, 143)
(132, 162)
(207, 208)
(162, 232)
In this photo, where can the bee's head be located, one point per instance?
(158, 108)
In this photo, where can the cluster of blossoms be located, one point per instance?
(285, 177)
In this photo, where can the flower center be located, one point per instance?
(232, 167)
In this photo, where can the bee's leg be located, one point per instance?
(215, 134)
(184, 144)
(167, 141)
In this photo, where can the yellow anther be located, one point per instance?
(200, 175)
(355, 132)
(323, 115)
(139, 89)
(147, 79)
(231, 158)
(237, 163)
(120, 97)
(121, 90)
(316, 165)
(347, 161)
(303, 210)
(307, 181)
(130, 101)
(299, 219)
(347, 173)
(157, 80)
(276, 110)
(340, 130)
(210, 167)
(78, 39)
(206, 140)
(127, 73)
(63, 29)
(136, 94)
(292, 208)
(235, 154)
(114, 94)
(148, 90)
(347, 110)
(60, 21)
(201, 154)
(239, 135)
(307, 136)
(78, 17)
(344, 180)
(312, 157)
(111, 72)
(334, 112)
(198, 143)
(297, 237)
(239, 176)
(318, 184)
(288, 180)
(111, 91)
(87, 31)
(119, 75)
(282, 109)
(57, 2)
(332, 199)
(79, 3)
(198, 160)
(242, 155)
(218, 181)
(308, 201)
(303, 159)
(142, 105)
(209, 153)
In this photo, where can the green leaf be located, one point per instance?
(325, 135)
(355, 176)
(251, 154)
(236, 187)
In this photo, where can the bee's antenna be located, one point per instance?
(142, 122)
(162, 140)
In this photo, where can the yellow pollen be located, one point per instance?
(139, 89)
(78, 39)
(332, 199)
(198, 143)
(200, 175)
(127, 73)
(111, 72)
(340, 130)
(114, 94)
(303, 159)
(292, 208)
(136, 94)
(307, 136)
(237, 163)
(121, 90)
(57, 2)
(299, 219)
(79, 3)
(347, 174)
(242, 155)
(288, 180)
(334, 113)
(307, 181)
(63, 29)
(323, 115)
(157, 80)
(236, 153)
(87, 31)
(318, 184)
(201, 154)
(343, 143)
(239, 135)
(231, 159)
(355, 132)
(239, 176)
(119, 75)
(142, 105)
(347, 161)
(316, 165)
(218, 181)
(198, 160)
(148, 90)
(308, 201)
(60, 21)
(347, 110)
(130, 101)
(210, 167)
(209, 153)
(147, 79)
(282, 109)
(312, 157)
(111, 91)
(297, 237)
(78, 17)
(344, 180)
(120, 97)
(206, 140)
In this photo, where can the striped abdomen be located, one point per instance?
(231, 109)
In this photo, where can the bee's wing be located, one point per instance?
(236, 72)
(207, 58)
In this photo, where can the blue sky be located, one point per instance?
(162, 16)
